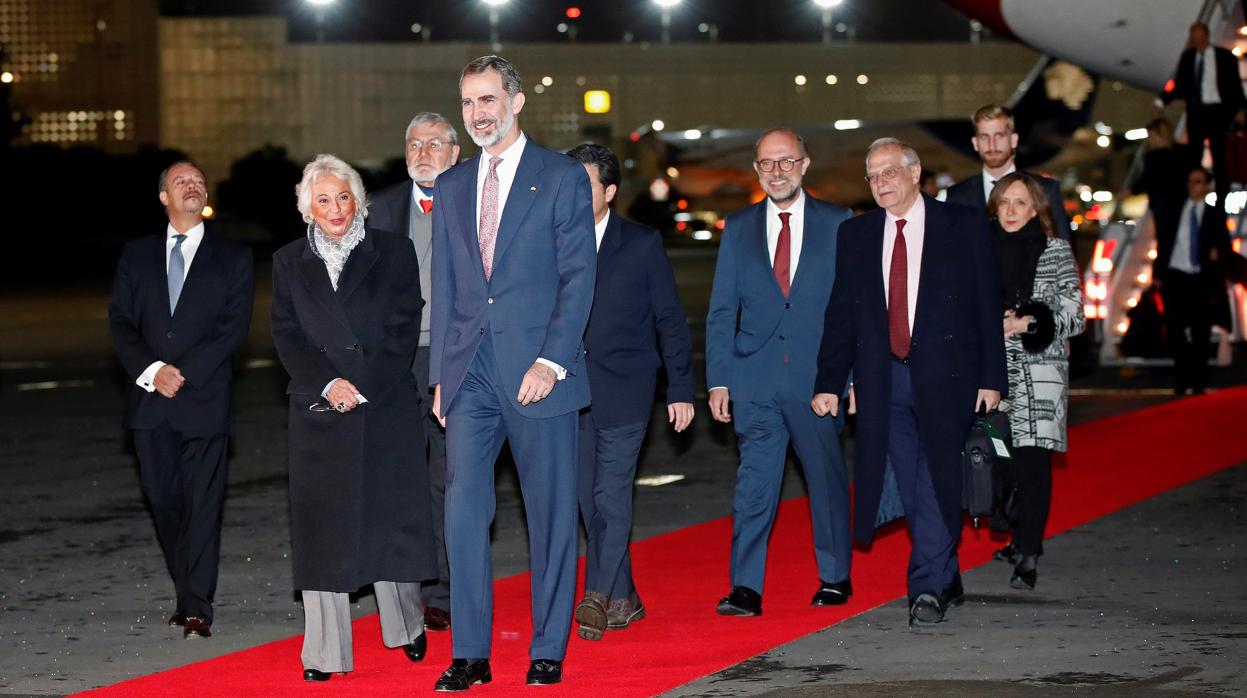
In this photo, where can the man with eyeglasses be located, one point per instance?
(775, 272)
(920, 369)
(432, 147)
(996, 142)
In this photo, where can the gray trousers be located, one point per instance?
(327, 623)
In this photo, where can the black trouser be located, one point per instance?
(1032, 472)
(435, 594)
(1188, 325)
(183, 477)
(1211, 121)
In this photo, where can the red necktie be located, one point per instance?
(898, 295)
(783, 254)
(426, 205)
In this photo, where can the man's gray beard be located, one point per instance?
(795, 190)
(503, 128)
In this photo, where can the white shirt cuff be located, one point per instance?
(717, 387)
(559, 372)
(147, 379)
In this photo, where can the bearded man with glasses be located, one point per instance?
(775, 272)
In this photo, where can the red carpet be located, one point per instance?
(1114, 463)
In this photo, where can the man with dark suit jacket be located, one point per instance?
(431, 146)
(915, 317)
(180, 308)
(1191, 245)
(1207, 81)
(775, 272)
(637, 324)
(996, 142)
(513, 275)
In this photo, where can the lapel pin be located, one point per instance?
(532, 189)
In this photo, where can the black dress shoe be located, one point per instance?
(544, 672)
(462, 674)
(1008, 554)
(416, 648)
(196, 627)
(436, 619)
(743, 601)
(1026, 573)
(926, 610)
(177, 619)
(954, 594)
(314, 675)
(829, 594)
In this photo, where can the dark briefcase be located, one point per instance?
(988, 440)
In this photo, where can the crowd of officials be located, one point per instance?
(501, 299)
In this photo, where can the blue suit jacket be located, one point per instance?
(957, 347)
(200, 338)
(636, 312)
(748, 358)
(536, 303)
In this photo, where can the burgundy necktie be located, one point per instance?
(783, 254)
(898, 295)
(426, 205)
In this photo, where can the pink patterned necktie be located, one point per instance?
(488, 235)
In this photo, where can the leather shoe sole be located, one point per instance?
(591, 617)
(833, 594)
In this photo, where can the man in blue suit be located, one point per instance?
(915, 316)
(513, 272)
(775, 272)
(637, 324)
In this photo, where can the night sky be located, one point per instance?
(600, 20)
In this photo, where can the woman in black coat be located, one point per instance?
(346, 320)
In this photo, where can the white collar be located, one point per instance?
(796, 209)
(194, 235)
(511, 154)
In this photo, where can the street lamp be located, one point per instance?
(320, 6)
(666, 6)
(493, 22)
(826, 6)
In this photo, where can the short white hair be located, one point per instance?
(909, 156)
(326, 165)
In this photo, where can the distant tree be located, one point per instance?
(260, 189)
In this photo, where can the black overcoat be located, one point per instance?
(359, 487)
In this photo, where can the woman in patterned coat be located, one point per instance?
(1042, 302)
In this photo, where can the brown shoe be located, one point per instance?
(591, 615)
(196, 627)
(436, 619)
(623, 612)
(177, 619)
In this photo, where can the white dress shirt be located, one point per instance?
(1208, 92)
(418, 195)
(989, 182)
(796, 230)
(506, 177)
(1180, 258)
(194, 236)
(599, 228)
(915, 232)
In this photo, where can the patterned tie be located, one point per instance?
(1194, 238)
(426, 205)
(488, 236)
(783, 254)
(177, 272)
(898, 295)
